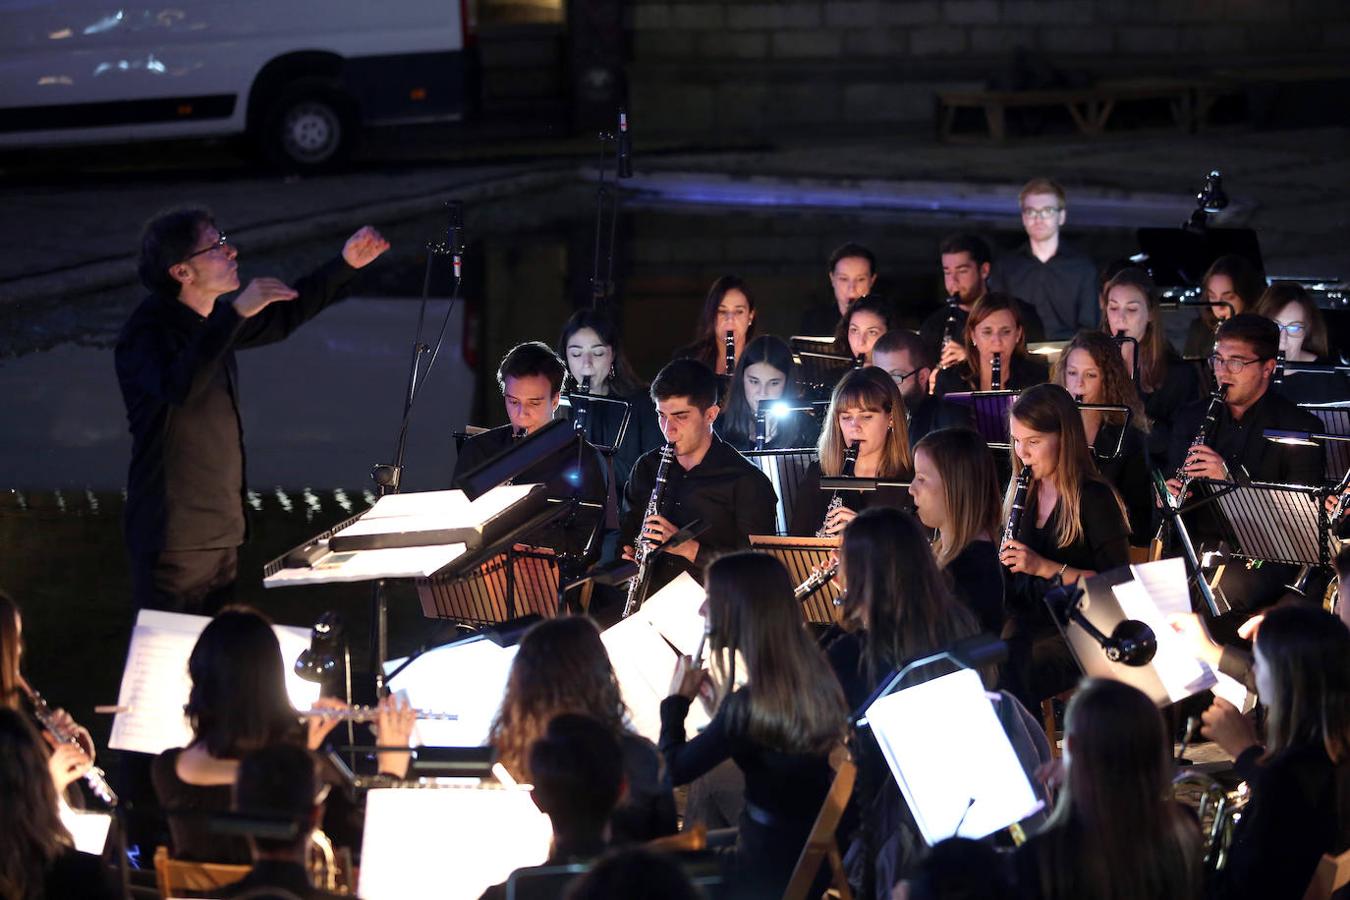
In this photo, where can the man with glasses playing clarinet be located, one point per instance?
(1058, 282)
(184, 519)
(1237, 449)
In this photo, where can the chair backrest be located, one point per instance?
(543, 882)
(820, 845)
(1333, 873)
(691, 840)
(174, 876)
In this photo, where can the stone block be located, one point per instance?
(673, 108)
(937, 40)
(910, 12)
(813, 103)
(1146, 40)
(717, 45)
(807, 44)
(697, 16)
(998, 40)
(888, 102)
(875, 42)
(742, 108)
(1078, 40)
(1047, 12)
(774, 16)
(1212, 39)
(853, 13)
(970, 12)
(663, 44)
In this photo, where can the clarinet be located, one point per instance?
(1203, 436)
(949, 329)
(996, 372)
(638, 586)
(95, 777)
(845, 471)
(731, 352)
(581, 411)
(1019, 505)
(822, 576)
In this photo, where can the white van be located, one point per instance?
(297, 76)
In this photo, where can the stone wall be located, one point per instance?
(768, 68)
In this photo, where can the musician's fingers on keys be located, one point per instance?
(1205, 462)
(658, 529)
(320, 726)
(687, 678)
(1018, 557)
(67, 764)
(395, 723)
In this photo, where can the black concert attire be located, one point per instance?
(184, 517)
(291, 877)
(1130, 474)
(1021, 373)
(931, 414)
(808, 512)
(934, 326)
(979, 581)
(791, 432)
(1299, 810)
(1039, 659)
(1063, 289)
(558, 474)
(1180, 386)
(647, 810)
(783, 791)
(820, 320)
(726, 491)
(77, 876)
(1314, 387)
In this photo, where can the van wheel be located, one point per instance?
(309, 127)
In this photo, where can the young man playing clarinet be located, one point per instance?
(706, 480)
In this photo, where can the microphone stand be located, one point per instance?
(607, 203)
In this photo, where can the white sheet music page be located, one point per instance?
(467, 678)
(370, 565)
(963, 772)
(1177, 668)
(156, 685)
(436, 510)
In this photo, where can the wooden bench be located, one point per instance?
(1090, 107)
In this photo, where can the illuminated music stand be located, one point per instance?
(1281, 523)
(785, 470)
(800, 555)
(990, 413)
(574, 399)
(1336, 442)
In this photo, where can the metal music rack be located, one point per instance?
(1120, 441)
(1336, 420)
(1280, 523)
(990, 413)
(785, 470)
(799, 555)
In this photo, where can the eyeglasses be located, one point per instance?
(1045, 213)
(218, 244)
(1232, 364)
(1293, 329)
(900, 379)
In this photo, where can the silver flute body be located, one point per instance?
(368, 714)
(96, 778)
(640, 549)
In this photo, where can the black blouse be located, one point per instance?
(808, 512)
(1180, 386)
(1023, 372)
(1129, 473)
(979, 581)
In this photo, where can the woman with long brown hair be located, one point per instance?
(38, 860)
(993, 328)
(864, 322)
(1165, 381)
(1091, 370)
(865, 412)
(765, 371)
(560, 667)
(729, 306)
(1231, 285)
(1303, 338)
(1115, 833)
(779, 726)
(956, 494)
(1300, 776)
(1074, 525)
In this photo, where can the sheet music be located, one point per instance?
(1179, 671)
(88, 829)
(1234, 691)
(1166, 583)
(467, 678)
(435, 510)
(964, 772)
(156, 685)
(448, 843)
(370, 565)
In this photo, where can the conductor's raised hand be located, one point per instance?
(261, 293)
(364, 247)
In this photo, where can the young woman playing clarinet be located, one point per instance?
(867, 417)
(1072, 525)
(956, 493)
(728, 308)
(994, 331)
(765, 371)
(1091, 370)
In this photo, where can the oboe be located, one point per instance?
(95, 777)
(638, 586)
(996, 372)
(730, 346)
(845, 471)
(1019, 505)
(1203, 436)
(580, 410)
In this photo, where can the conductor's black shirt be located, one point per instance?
(725, 490)
(180, 384)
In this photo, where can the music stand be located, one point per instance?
(990, 410)
(571, 398)
(800, 555)
(821, 370)
(785, 470)
(1281, 523)
(1114, 408)
(1335, 443)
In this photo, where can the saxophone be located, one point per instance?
(996, 372)
(637, 588)
(1203, 436)
(1019, 505)
(822, 576)
(95, 777)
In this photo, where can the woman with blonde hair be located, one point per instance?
(1091, 370)
(1165, 381)
(1073, 525)
(865, 412)
(561, 667)
(956, 494)
(1116, 833)
(779, 726)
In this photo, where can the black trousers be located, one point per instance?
(199, 582)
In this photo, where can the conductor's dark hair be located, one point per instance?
(963, 242)
(1260, 333)
(686, 378)
(532, 358)
(851, 250)
(278, 782)
(634, 872)
(577, 771)
(165, 241)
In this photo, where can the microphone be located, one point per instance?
(625, 146)
(454, 234)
